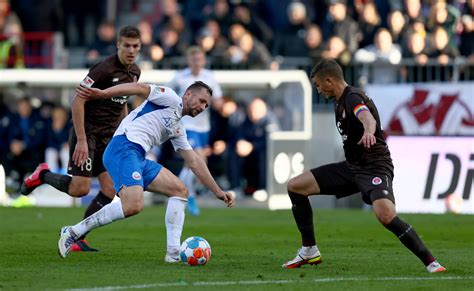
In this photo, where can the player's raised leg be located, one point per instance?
(384, 210)
(299, 188)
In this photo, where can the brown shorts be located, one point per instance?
(339, 180)
(93, 165)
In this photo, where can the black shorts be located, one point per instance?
(93, 165)
(337, 179)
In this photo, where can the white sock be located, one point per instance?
(108, 214)
(187, 176)
(309, 251)
(174, 220)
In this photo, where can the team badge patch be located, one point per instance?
(376, 181)
(136, 175)
(87, 82)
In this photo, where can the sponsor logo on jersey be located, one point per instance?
(136, 175)
(120, 99)
(87, 82)
(376, 181)
(167, 121)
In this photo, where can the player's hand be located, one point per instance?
(90, 93)
(367, 140)
(81, 153)
(227, 197)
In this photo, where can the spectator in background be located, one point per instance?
(442, 14)
(169, 8)
(396, 26)
(415, 49)
(253, 23)
(149, 52)
(197, 128)
(225, 122)
(212, 42)
(250, 53)
(236, 30)
(291, 42)
(27, 139)
(466, 46)
(57, 134)
(413, 11)
(385, 54)
(251, 145)
(221, 12)
(313, 42)
(369, 23)
(11, 38)
(169, 42)
(439, 47)
(104, 45)
(339, 23)
(337, 49)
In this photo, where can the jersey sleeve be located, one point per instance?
(356, 105)
(180, 142)
(163, 96)
(92, 77)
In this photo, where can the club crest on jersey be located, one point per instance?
(376, 181)
(115, 80)
(87, 82)
(136, 175)
(160, 90)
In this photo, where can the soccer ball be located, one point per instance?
(195, 251)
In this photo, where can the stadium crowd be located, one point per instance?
(395, 37)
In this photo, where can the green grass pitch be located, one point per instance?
(249, 246)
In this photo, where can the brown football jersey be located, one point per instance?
(102, 117)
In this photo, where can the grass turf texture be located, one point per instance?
(248, 245)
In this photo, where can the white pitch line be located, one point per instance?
(260, 282)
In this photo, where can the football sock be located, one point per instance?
(187, 176)
(174, 220)
(410, 239)
(303, 214)
(108, 214)
(58, 181)
(97, 203)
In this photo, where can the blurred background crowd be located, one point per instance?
(376, 41)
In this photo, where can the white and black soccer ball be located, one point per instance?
(195, 251)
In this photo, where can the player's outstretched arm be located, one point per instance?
(199, 168)
(139, 89)
(369, 123)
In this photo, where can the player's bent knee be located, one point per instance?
(132, 206)
(385, 218)
(182, 192)
(292, 185)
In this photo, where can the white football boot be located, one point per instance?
(305, 255)
(435, 267)
(66, 240)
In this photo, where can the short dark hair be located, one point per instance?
(327, 68)
(199, 85)
(130, 31)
